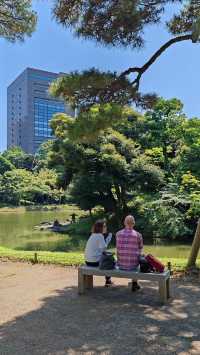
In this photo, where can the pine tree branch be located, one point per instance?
(155, 56)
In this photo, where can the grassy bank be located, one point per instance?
(71, 258)
(43, 208)
(46, 257)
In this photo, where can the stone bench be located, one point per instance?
(86, 273)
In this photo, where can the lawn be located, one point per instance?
(72, 258)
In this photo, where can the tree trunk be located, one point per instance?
(166, 162)
(123, 197)
(195, 247)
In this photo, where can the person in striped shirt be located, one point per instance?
(129, 245)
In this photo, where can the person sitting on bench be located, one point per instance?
(129, 245)
(96, 245)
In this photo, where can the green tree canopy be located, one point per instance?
(120, 24)
(19, 158)
(105, 168)
(41, 159)
(17, 19)
(21, 186)
(116, 23)
(165, 125)
(5, 165)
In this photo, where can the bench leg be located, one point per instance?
(89, 281)
(168, 288)
(81, 282)
(163, 291)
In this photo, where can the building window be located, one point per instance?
(42, 77)
(44, 110)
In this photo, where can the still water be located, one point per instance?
(17, 232)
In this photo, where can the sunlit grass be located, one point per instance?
(73, 258)
(46, 257)
(19, 239)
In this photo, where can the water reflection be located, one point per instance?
(17, 232)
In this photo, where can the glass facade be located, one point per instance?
(44, 109)
(42, 77)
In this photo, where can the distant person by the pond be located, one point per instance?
(73, 218)
(56, 223)
(96, 245)
(129, 245)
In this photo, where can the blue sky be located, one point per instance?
(175, 74)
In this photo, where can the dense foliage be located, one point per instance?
(144, 164)
(121, 24)
(119, 160)
(112, 157)
(26, 180)
(17, 19)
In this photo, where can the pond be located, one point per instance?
(17, 232)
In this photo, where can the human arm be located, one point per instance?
(108, 239)
(101, 243)
(140, 242)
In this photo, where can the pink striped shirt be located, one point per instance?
(129, 247)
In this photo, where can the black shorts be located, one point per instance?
(95, 264)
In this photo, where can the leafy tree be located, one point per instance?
(120, 24)
(5, 165)
(165, 123)
(105, 169)
(21, 186)
(167, 222)
(17, 19)
(91, 123)
(43, 188)
(19, 158)
(188, 159)
(41, 159)
(190, 183)
(147, 177)
(12, 185)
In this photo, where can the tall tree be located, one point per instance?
(17, 19)
(19, 158)
(195, 248)
(165, 124)
(105, 169)
(120, 24)
(5, 165)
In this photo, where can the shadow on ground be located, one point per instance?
(108, 321)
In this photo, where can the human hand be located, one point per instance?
(109, 237)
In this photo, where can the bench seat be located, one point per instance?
(86, 273)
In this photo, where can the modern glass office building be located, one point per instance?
(30, 109)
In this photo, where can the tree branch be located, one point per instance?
(155, 56)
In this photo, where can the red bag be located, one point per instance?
(155, 263)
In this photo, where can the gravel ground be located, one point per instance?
(41, 313)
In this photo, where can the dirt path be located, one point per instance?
(41, 313)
